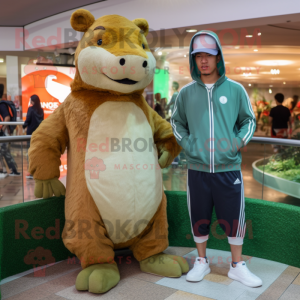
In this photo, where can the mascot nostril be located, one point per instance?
(145, 64)
(122, 61)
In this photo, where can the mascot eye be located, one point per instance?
(99, 42)
(143, 46)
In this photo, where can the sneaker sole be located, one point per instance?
(205, 273)
(237, 279)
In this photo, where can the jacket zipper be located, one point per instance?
(211, 130)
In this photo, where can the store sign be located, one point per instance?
(50, 83)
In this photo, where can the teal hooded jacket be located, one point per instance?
(212, 124)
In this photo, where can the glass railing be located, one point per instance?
(18, 131)
(16, 184)
(270, 168)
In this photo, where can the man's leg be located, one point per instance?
(236, 253)
(200, 206)
(229, 203)
(9, 159)
(228, 197)
(201, 247)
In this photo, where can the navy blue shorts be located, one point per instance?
(225, 192)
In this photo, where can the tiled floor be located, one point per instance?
(280, 281)
(174, 179)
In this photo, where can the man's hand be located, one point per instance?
(46, 188)
(165, 160)
(6, 119)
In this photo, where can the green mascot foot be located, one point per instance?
(165, 265)
(98, 278)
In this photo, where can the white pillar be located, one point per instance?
(13, 86)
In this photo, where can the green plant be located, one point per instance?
(286, 163)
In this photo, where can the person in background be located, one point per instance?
(175, 87)
(280, 117)
(294, 109)
(4, 151)
(159, 110)
(35, 116)
(163, 102)
(158, 107)
(293, 104)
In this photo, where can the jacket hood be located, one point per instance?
(195, 72)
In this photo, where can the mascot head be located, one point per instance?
(113, 54)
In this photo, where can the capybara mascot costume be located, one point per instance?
(116, 146)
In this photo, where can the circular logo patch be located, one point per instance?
(223, 99)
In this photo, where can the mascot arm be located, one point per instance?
(164, 139)
(47, 145)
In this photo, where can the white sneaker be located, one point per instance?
(200, 269)
(242, 274)
(3, 174)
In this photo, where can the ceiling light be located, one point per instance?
(191, 30)
(274, 62)
(247, 74)
(1, 60)
(159, 53)
(255, 50)
(259, 33)
(284, 83)
(237, 47)
(184, 55)
(270, 91)
(275, 71)
(249, 84)
(249, 36)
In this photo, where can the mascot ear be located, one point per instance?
(143, 24)
(81, 20)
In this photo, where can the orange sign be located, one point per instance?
(50, 83)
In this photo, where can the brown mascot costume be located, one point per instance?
(116, 146)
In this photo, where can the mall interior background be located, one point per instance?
(261, 50)
(261, 46)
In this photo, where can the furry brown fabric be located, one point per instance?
(81, 20)
(84, 233)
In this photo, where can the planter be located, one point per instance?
(276, 183)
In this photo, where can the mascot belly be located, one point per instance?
(129, 189)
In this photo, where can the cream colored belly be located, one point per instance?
(125, 185)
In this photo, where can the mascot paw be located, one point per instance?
(165, 265)
(98, 278)
(46, 188)
(165, 159)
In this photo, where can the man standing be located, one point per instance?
(4, 150)
(175, 87)
(280, 118)
(212, 119)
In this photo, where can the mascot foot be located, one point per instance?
(98, 278)
(165, 265)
